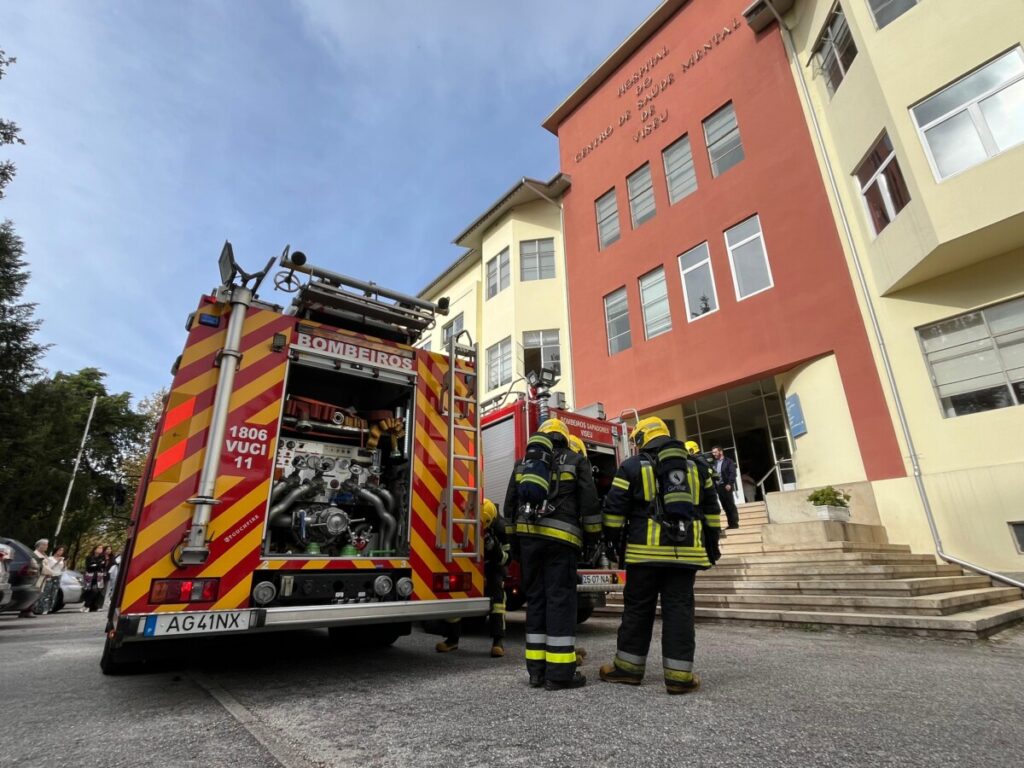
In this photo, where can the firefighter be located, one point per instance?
(723, 472)
(667, 505)
(591, 523)
(496, 557)
(551, 498)
(706, 466)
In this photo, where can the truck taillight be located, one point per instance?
(452, 582)
(184, 590)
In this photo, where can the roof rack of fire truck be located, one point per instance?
(364, 307)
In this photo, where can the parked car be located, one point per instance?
(24, 573)
(6, 590)
(72, 590)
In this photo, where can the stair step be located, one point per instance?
(773, 571)
(887, 587)
(810, 556)
(941, 604)
(969, 625)
(741, 537)
(741, 549)
(842, 546)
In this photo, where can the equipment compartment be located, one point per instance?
(342, 472)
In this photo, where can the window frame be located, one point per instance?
(874, 18)
(649, 189)
(824, 39)
(497, 358)
(497, 262)
(690, 317)
(607, 321)
(883, 184)
(991, 337)
(693, 168)
(707, 145)
(974, 112)
(643, 305)
(601, 244)
(537, 257)
(448, 329)
(542, 346)
(764, 251)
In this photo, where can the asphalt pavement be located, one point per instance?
(771, 697)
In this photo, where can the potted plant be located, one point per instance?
(831, 503)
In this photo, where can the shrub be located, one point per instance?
(829, 496)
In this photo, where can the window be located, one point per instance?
(699, 294)
(750, 272)
(679, 173)
(451, 328)
(1017, 529)
(835, 50)
(885, 11)
(607, 219)
(498, 274)
(641, 195)
(882, 185)
(722, 135)
(977, 359)
(541, 350)
(616, 319)
(499, 363)
(425, 346)
(654, 302)
(537, 259)
(975, 118)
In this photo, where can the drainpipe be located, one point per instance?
(565, 274)
(922, 491)
(195, 549)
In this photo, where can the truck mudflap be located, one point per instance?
(168, 625)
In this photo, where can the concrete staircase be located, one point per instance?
(831, 575)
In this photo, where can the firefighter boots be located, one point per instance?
(497, 648)
(612, 674)
(536, 680)
(578, 680)
(674, 687)
(445, 646)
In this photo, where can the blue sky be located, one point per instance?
(368, 134)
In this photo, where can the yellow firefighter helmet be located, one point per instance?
(692, 447)
(577, 445)
(488, 512)
(555, 426)
(648, 429)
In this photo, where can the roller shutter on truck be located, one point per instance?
(499, 458)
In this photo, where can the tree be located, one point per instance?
(8, 131)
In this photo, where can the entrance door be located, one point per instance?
(748, 424)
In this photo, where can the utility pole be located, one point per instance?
(78, 460)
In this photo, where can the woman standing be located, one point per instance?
(95, 580)
(53, 569)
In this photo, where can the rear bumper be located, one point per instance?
(131, 626)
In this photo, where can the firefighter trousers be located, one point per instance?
(494, 588)
(549, 581)
(644, 583)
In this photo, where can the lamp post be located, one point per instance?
(74, 471)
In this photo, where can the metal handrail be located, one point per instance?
(777, 470)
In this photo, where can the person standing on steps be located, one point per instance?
(725, 484)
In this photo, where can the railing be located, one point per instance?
(776, 470)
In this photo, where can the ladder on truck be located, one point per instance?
(462, 414)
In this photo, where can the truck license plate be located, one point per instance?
(597, 578)
(196, 623)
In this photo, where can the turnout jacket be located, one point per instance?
(576, 515)
(629, 510)
(496, 549)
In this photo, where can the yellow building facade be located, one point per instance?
(508, 290)
(917, 109)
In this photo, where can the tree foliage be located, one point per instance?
(8, 131)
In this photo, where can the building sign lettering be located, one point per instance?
(642, 86)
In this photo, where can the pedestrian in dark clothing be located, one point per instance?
(552, 502)
(661, 502)
(496, 557)
(725, 484)
(95, 580)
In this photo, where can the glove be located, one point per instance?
(711, 545)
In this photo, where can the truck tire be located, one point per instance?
(584, 608)
(120, 661)
(372, 636)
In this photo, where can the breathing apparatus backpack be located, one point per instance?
(538, 478)
(667, 478)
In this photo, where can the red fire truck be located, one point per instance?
(505, 430)
(311, 469)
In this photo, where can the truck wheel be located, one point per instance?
(373, 636)
(119, 661)
(584, 608)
